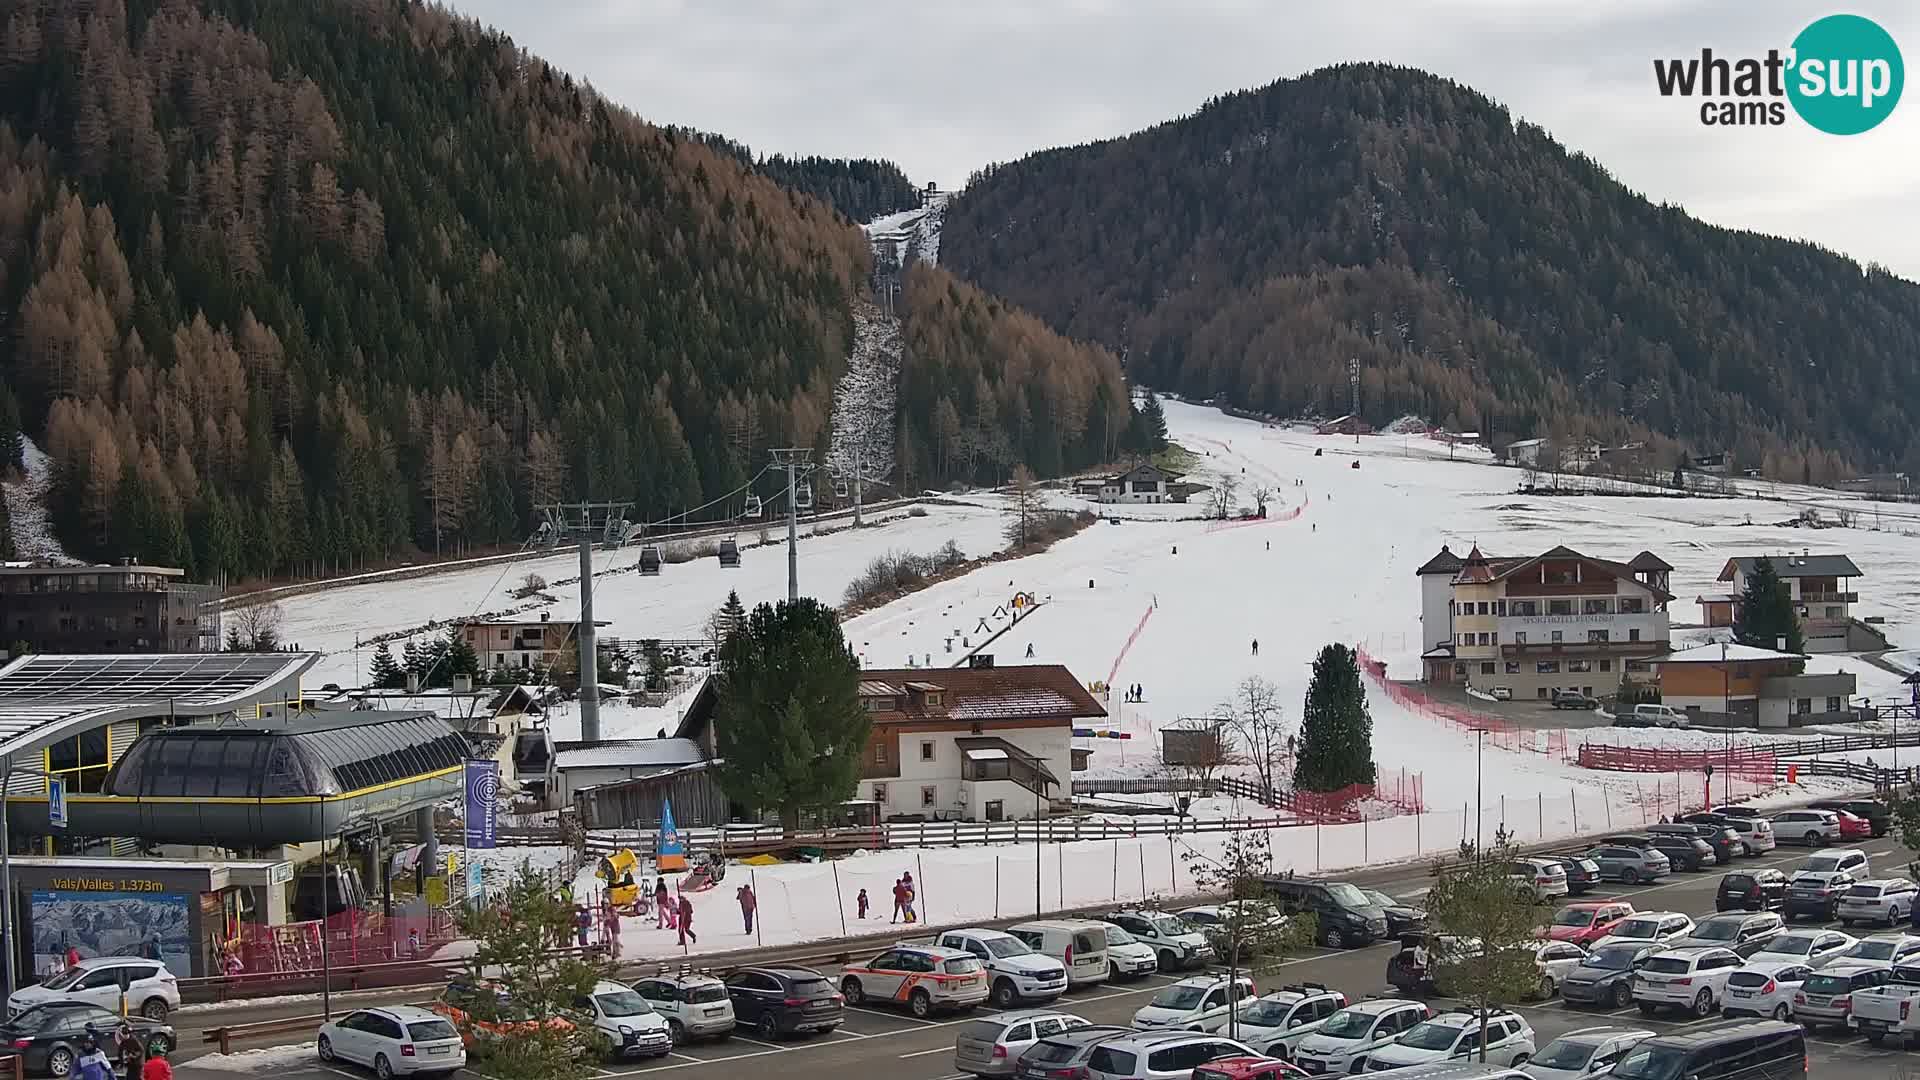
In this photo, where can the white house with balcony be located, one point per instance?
(1821, 590)
(971, 744)
(1144, 483)
(1534, 624)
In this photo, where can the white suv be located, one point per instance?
(151, 989)
(1015, 972)
(1455, 1035)
(394, 1040)
(1888, 900)
(696, 1006)
(1175, 941)
(1160, 1055)
(1815, 828)
(1190, 1003)
(1276, 1022)
(1543, 880)
(1693, 978)
(1341, 1043)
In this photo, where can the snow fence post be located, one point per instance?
(1060, 870)
(1366, 842)
(996, 886)
(1503, 811)
(759, 924)
(839, 899)
(1608, 803)
(1173, 876)
(1573, 800)
(922, 883)
(1418, 844)
(1141, 849)
(1316, 845)
(1542, 797)
(1115, 890)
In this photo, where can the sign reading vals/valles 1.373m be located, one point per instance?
(89, 884)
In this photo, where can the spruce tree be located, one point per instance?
(384, 674)
(412, 661)
(1336, 730)
(789, 726)
(1766, 611)
(457, 658)
(1153, 424)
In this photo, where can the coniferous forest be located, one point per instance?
(297, 287)
(1485, 277)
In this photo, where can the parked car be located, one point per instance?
(1751, 890)
(1127, 958)
(1342, 1042)
(1555, 960)
(695, 1004)
(1175, 943)
(1081, 946)
(1015, 971)
(1639, 840)
(1183, 1005)
(990, 1045)
(1817, 893)
(151, 989)
(1874, 812)
(47, 1036)
(1685, 852)
(1817, 947)
(1744, 932)
(1502, 693)
(1584, 1052)
(1884, 900)
(1694, 979)
(1895, 949)
(1347, 918)
(1588, 921)
(1450, 1034)
(1724, 841)
(1764, 988)
(1160, 1055)
(624, 1020)
(1402, 918)
(1065, 1054)
(1768, 1050)
(1583, 874)
(1852, 860)
(784, 999)
(1653, 927)
(1756, 834)
(1573, 699)
(1630, 865)
(1888, 1009)
(1545, 880)
(1253, 1068)
(1735, 810)
(1605, 977)
(1660, 716)
(1216, 921)
(394, 1040)
(1814, 828)
(1275, 1022)
(1853, 827)
(926, 978)
(1827, 995)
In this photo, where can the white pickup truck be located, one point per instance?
(1890, 1009)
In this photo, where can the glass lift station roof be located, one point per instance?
(248, 785)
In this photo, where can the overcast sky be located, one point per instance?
(946, 88)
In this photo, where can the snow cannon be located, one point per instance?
(617, 871)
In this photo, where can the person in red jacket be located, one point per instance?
(156, 1068)
(748, 902)
(686, 922)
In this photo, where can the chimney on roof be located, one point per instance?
(127, 560)
(543, 616)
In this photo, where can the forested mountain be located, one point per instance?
(299, 286)
(1484, 276)
(860, 188)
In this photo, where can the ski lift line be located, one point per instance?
(742, 489)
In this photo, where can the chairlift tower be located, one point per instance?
(798, 461)
(587, 522)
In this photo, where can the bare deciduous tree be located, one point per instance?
(1262, 494)
(1224, 487)
(254, 628)
(1194, 749)
(1024, 507)
(1258, 721)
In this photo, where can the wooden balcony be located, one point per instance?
(1583, 648)
(1829, 597)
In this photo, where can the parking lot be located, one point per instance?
(876, 1042)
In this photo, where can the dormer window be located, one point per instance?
(935, 699)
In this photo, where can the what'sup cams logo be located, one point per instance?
(1842, 75)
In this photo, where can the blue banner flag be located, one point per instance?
(482, 809)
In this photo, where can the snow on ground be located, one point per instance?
(259, 1062)
(670, 606)
(33, 537)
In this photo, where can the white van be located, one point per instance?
(1080, 944)
(1660, 716)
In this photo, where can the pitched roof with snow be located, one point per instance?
(1735, 653)
(1795, 566)
(1496, 569)
(1444, 563)
(1647, 560)
(626, 754)
(979, 695)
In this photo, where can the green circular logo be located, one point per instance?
(1846, 75)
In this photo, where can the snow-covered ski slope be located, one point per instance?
(26, 498)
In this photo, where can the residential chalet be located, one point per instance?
(1820, 587)
(1537, 623)
(1723, 682)
(1144, 483)
(522, 643)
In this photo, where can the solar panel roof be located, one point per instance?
(43, 697)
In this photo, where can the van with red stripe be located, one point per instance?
(924, 978)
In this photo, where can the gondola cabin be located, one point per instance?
(753, 508)
(803, 495)
(839, 489)
(729, 552)
(650, 560)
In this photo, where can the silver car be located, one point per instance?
(1827, 995)
(989, 1046)
(1584, 1052)
(1887, 900)
(1631, 865)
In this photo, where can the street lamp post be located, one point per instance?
(1726, 717)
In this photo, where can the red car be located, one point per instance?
(1247, 1068)
(1853, 827)
(1588, 921)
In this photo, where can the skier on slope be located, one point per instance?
(1256, 652)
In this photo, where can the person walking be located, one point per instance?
(861, 902)
(748, 903)
(1029, 650)
(92, 1064)
(686, 922)
(899, 900)
(659, 902)
(582, 922)
(1256, 652)
(906, 882)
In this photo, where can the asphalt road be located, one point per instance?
(892, 1046)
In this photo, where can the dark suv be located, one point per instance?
(780, 1000)
(1875, 813)
(1685, 852)
(1065, 1054)
(1347, 917)
(1751, 890)
(1574, 699)
(1724, 841)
